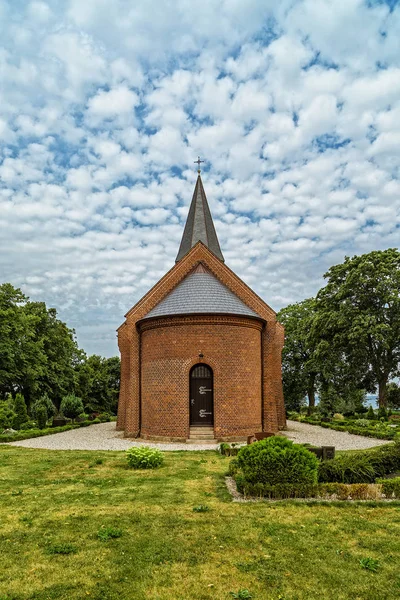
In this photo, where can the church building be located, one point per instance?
(200, 352)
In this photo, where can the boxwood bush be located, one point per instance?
(144, 458)
(277, 460)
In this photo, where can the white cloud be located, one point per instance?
(104, 108)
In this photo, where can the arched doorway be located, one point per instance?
(201, 396)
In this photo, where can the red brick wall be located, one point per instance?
(129, 341)
(231, 346)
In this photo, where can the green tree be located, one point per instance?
(7, 415)
(97, 383)
(71, 406)
(21, 414)
(43, 402)
(359, 316)
(393, 395)
(299, 365)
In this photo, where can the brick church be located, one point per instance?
(200, 352)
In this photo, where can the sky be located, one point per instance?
(106, 104)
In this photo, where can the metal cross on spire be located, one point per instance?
(198, 161)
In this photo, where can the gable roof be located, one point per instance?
(201, 292)
(199, 225)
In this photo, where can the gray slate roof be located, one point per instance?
(199, 225)
(201, 292)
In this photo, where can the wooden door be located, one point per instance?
(201, 396)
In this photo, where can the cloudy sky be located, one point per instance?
(105, 104)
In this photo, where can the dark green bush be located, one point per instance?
(371, 414)
(43, 401)
(41, 416)
(277, 460)
(7, 415)
(362, 467)
(71, 406)
(21, 414)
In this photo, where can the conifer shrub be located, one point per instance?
(21, 414)
(7, 415)
(370, 414)
(41, 417)
(71, 406)
(277, 460)
(43, 402)
(144, 458)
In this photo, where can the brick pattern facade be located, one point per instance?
(231, 346)
(136, 406)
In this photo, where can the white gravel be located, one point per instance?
(102, 437)
(105, 437)
(304, 433)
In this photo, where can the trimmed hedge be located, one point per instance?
(33, 433)
(352, 427)
(390, 488)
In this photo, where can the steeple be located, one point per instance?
(199, 225)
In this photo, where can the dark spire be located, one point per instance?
(199, 225)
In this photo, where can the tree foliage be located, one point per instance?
(359, 314)
(40, 359)
(346, 342)
(71, 406)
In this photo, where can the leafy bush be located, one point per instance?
(338, 417)
(390, 487)
(362, 423)
(21, 414)
(144, 458)
(7, 415)
(277, 460)
(43, 401)
(370, 414)
(71, 406)
(382, 413)
(363, 467)
(41, 416)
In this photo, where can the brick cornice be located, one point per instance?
(176, 321)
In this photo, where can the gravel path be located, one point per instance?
(304, 433)
(105, 437)
(102, 437)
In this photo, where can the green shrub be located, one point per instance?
(277, 460)
(362, 423)
(7, 415)
(71, 406)
(41, 416)
(233, 466)
(370, 413)
(21, 414)
(144, 458)
(43, 401)
(390, 487)
(362, 467)
(382, 413)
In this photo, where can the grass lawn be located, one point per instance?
(53, 504)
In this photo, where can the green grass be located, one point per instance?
(54, 504)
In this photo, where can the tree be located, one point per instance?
(37, 351)
(71, 406)
(45, 403)
(359, 315)
(21, 414)
(299, 365)
(7, 415)
(97, 383)
(393, 395)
